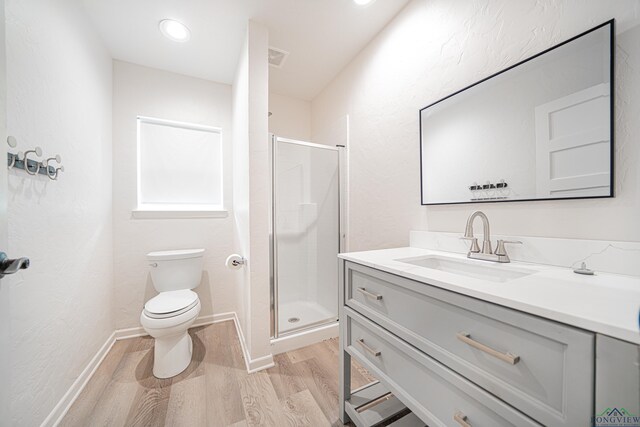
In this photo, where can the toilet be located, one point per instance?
(168, 315)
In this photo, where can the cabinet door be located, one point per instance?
(617, 378)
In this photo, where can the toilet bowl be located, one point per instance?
(168, 315)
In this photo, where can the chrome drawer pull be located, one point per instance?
(369, 349)
(365, 292)
(505, 357)
(461, 419)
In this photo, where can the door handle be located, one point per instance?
(11, 266)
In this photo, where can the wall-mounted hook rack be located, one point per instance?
(22, 161)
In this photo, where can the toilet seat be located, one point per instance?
(170, 304)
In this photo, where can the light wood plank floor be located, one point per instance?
(215, 390)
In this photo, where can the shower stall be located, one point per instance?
(305, 235)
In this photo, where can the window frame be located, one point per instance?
(177, 210)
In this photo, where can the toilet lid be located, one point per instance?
(171, 303)
(176, 254)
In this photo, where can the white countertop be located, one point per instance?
(604, 303)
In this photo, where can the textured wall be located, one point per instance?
(433, 48)
(240, 105)
(59, 97)
(148, 92)
(251, 188)
(259, 292)
(291, 117)
(5, 315)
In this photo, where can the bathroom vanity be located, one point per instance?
(471, 343)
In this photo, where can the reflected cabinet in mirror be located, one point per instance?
(541, 129)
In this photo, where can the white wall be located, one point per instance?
(251, 190)
(258, 42)
(240, 106)
(433, 48)
(5, 315)
(290, 118)
(144, 91)
(59, 97)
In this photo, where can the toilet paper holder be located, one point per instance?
(237, 262)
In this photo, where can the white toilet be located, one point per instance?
(168, 315)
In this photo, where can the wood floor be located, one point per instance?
(215, 390)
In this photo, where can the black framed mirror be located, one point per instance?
(541, 129)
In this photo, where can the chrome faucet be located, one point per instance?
(468, 233)
(486, 254)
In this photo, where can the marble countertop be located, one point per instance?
(605, 303)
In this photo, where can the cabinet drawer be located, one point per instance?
(433, 392)
(541, 367)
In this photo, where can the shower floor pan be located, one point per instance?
(301, 314)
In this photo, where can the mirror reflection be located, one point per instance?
(538, 130)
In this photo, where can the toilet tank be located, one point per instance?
(175, 270)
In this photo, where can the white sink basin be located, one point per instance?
(484, 270)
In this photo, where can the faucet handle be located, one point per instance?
(500, 249)
(474, 244)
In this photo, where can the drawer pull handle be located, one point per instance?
(461, 419)
(505, 357)
(376, 353)
(365, 292)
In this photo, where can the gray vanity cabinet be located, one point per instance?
(456, 360)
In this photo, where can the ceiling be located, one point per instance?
(322, 36)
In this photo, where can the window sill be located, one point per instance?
(178, 214)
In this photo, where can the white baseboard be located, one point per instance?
(304, 338)
(123, 334)
(214, 318)
(264, 362)
(60, 410)
(253, 365)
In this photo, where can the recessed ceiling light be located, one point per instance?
(362, 2)
(174, 30)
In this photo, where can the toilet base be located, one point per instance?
(172, 355)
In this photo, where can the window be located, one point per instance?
(179, 169)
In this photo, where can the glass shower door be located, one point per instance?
(306, 234)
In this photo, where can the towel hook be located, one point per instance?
(58, 170)
(15, 157)
(13, 143)
(52, 175)
(38, 152)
